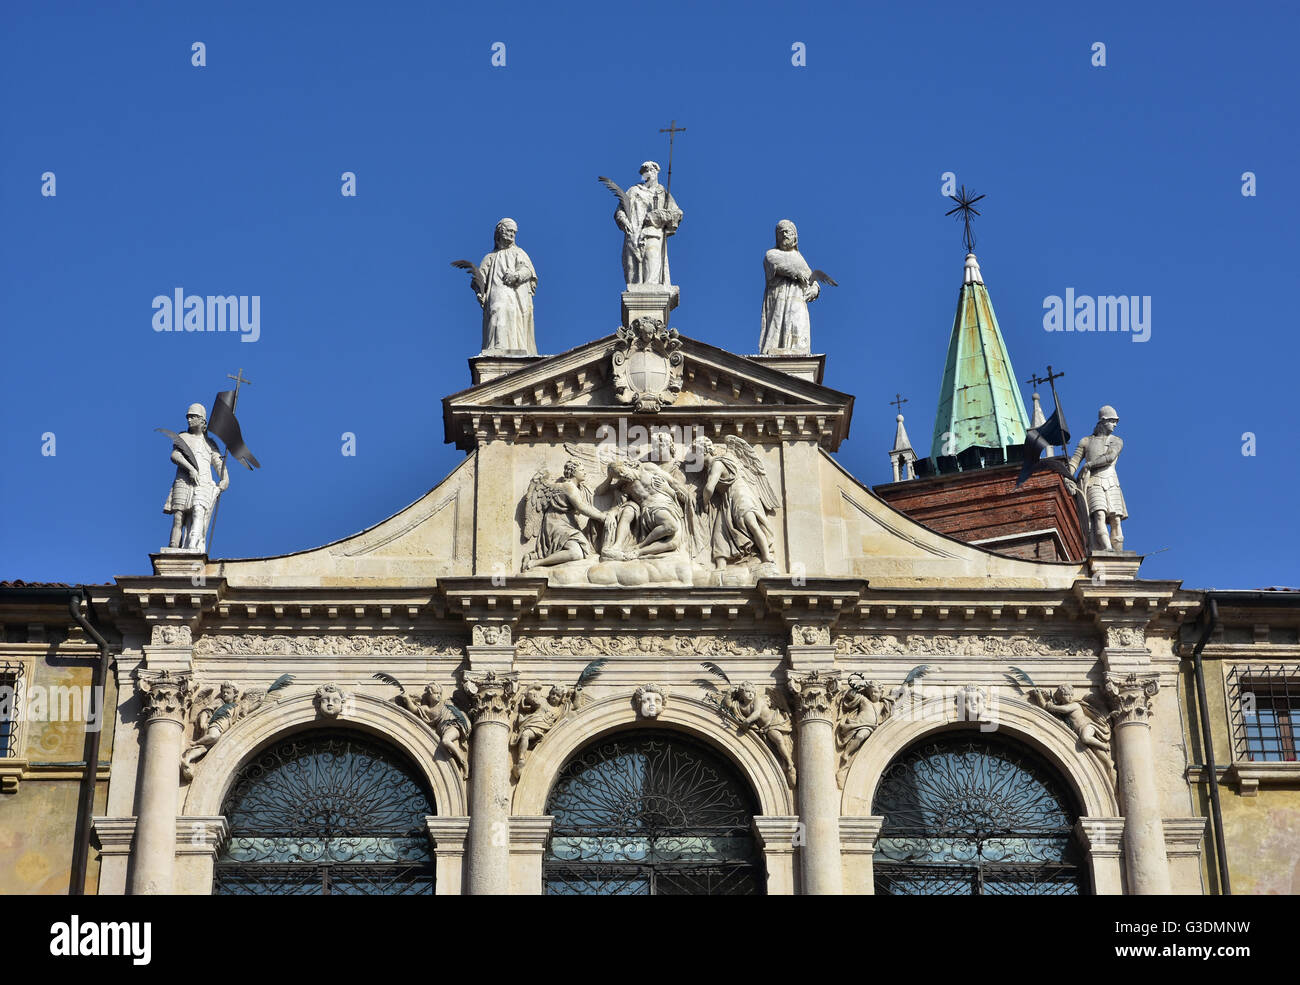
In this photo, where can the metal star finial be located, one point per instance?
(966, 206)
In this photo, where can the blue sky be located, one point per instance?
(225, 179)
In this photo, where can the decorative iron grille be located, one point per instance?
(651, 814)
(11, 693)
(326, 814)
(1264, 705)
(974, 817)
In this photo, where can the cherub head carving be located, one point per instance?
(330, 700)
(649, 700)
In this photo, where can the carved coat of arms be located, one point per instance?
(647, 363)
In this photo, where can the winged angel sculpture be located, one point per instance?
(1086, 717)
(216, 710)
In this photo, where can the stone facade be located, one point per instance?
(437, 595)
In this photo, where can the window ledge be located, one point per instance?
(1248, 776)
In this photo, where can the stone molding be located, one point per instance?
(975, 645)
(1183, 836)
(1016, 718)
(377, 644)
(194, 835)
(859, 835)
(1101, 836)
(685, 645)
(748, 753)
(366, 713)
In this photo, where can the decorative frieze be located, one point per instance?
(694, 645)
(242, 644)
(969, 646)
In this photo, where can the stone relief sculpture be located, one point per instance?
(748, 707)
(556, 515)
(194, 493)
(331, 700)
(738, 498)
(649, 700)
(791, 286)
(1089, 721)
(664, 526)
(504, 284)
(216, 710)
(862, 707)
(647, 214)
(537, 708)
(1100, 483)
(444, 719)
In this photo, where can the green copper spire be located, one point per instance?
(979, 403)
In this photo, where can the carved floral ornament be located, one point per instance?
(647, 365)
(971, 646)
(694, 645)
(1130, 696)
(164, 696)
(399, 644)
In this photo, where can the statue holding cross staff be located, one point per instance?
(647, 214)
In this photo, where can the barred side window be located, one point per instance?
(1265, 708)
(11, 672)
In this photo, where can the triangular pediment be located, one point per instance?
(565, 394)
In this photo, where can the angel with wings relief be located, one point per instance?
(737, 499)
(216, 710)
(556, 515)
(1086, 717)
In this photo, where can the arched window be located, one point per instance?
(325, 813)
(651, 813)
(969, 815)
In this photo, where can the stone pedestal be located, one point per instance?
(165, 704)
(858, 837)
(649, 301)
(448, 837)
(488, 852)
(776, 835)
(818, 794)
(1144, 839)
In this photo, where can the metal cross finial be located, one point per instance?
(672, 130)
(966, 206)
(898, 401)
(238, 378)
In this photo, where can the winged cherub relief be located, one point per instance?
(215, 712)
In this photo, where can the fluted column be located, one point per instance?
(1131, 697)
(488, 851)
(818, 795)
(165, 705)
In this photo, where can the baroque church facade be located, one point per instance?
(651, 637)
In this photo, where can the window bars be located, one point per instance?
(1263, 707)
(11, 675)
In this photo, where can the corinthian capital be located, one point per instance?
(164, 696)
(490, 695)
(813, 695)
(1130, 696)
